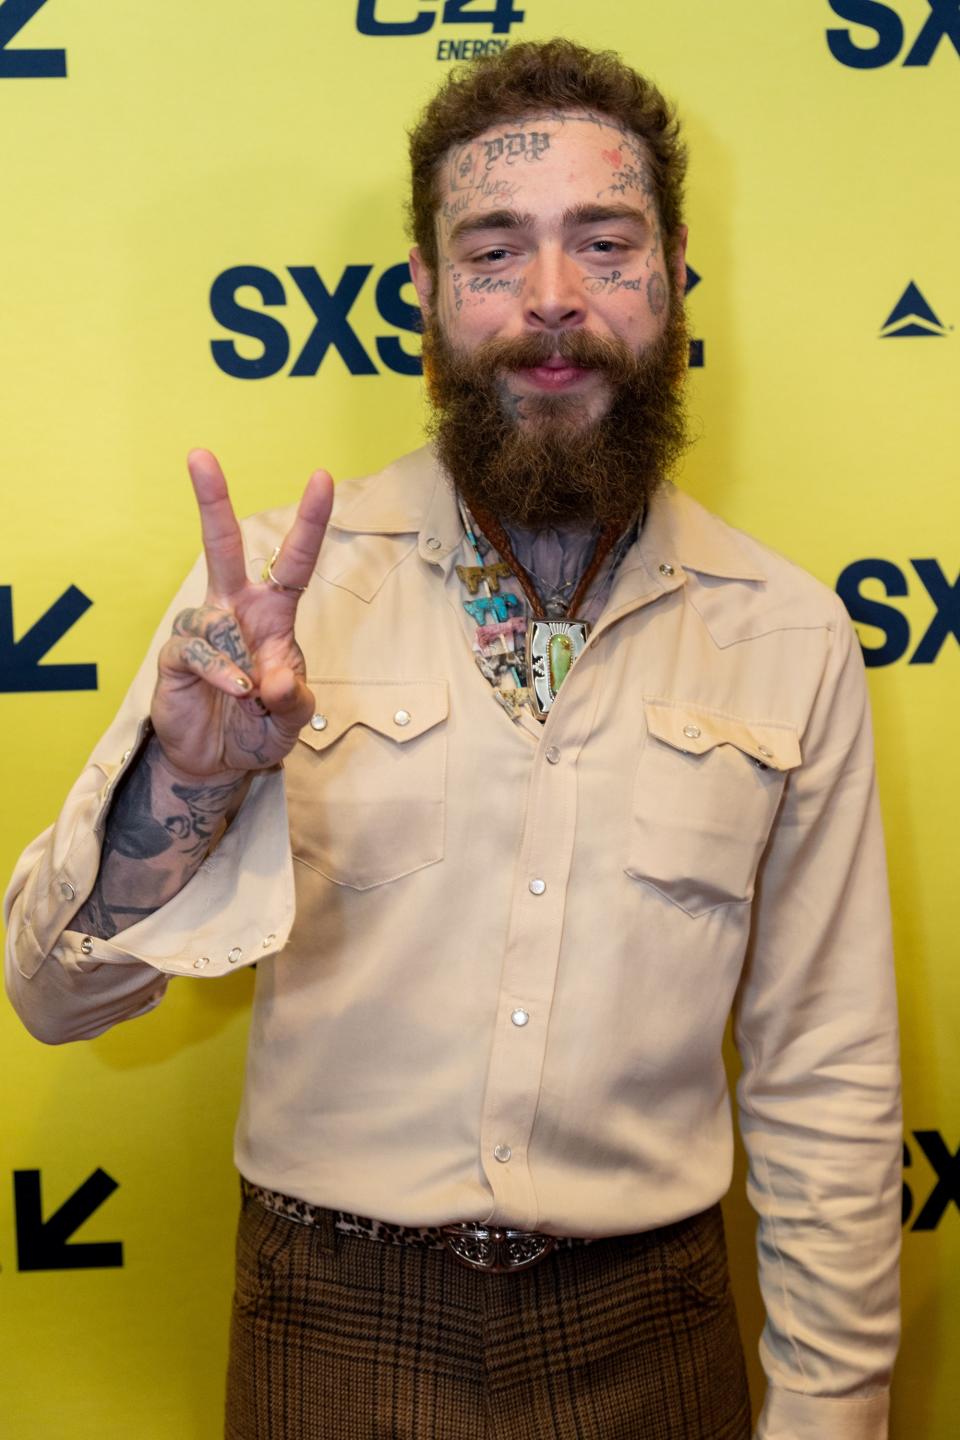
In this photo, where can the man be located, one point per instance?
(568, 769)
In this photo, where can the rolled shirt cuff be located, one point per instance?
(790, 1415)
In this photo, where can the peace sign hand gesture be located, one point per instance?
(230, 694)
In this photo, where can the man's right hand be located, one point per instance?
(230, 694)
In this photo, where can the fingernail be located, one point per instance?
(242, 683)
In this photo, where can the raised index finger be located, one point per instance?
(301, 546)
(222, 543)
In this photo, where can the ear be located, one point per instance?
(678, 259)
(422, 280)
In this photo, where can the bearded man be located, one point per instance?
(567, 769)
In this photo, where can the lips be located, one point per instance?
(555, 374)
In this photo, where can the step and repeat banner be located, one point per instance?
(202, 244)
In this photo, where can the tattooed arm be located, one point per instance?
(161, 827)
(228, 700)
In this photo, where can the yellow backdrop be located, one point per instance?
(161, 161)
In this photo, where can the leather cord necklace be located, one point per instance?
(498, 538)
(552, 645)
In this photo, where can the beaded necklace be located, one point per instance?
(527, 656)
(499, 623)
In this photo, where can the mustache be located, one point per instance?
(608, 354)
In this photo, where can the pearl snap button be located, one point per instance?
(433, 543)
(502, 1153)
(67, 891)
(692, 732)
(764, 751)
(86, 945)
(402, 717)
(553, 755)
(268, 940)
(319, 722)
(519, 1017)
(666, 569)
(537, 887)
(234, 954)
(201, 962)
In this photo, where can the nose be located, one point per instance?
(553, 293)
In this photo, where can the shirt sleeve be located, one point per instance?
(819, 1094)
(236, 909)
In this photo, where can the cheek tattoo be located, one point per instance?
(657, 293)
(608, 284)
(494, 285)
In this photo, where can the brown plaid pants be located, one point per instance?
(341, 1338)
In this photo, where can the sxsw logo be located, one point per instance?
(394, 18)
(891, 621)
(945, 1166)
(21, 64)
(942, 23)
(329, 310)
(912, 317)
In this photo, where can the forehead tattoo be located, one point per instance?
(468, 162)
(470, 183)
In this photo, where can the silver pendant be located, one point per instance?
(552, 647)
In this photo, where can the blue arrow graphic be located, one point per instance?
(43, 1244)
(20, 669)
(24, 64)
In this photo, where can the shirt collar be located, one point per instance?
(679, 532)
(408, 497)
(414, 496)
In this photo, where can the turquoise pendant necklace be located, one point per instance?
(551, 645)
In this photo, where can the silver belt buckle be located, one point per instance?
(486, 1247)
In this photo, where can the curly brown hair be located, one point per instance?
(526, 78)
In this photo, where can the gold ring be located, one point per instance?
(271, 579)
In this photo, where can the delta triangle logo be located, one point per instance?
(912, 316)
(696, 346)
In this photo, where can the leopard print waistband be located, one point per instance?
(362, 1226)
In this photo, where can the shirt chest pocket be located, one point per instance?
(366, 782)
(707, 789)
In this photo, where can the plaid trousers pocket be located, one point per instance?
(343, 1338)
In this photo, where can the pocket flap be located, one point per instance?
(399, 709)
(694, 730)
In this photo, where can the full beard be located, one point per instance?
(546, 462)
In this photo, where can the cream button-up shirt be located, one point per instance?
(496, 957)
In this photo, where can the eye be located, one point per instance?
(491, 256)
(606, 247)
